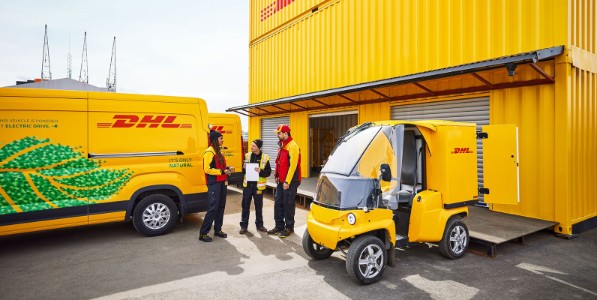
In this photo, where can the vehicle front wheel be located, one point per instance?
(313, 249)
(155, 215)
(366, 259)
(455, 241)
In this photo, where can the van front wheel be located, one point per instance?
(155, 215)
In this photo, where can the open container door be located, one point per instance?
(501, 164)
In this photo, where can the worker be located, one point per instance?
(254, 189)
(288, 178)
(216, 173)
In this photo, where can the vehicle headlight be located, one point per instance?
(351, 219)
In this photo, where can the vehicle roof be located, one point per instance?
(429, 124)
(49, 93)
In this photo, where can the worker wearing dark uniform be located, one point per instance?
(288, 178)
(216, 173)
(254, 189)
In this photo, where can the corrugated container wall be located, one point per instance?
(583, 114)
(304, 46)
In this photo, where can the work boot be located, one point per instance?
(261, 228)
(286, 232)
(204, 238)
(275, 231)
(220, 234)
(243, 231)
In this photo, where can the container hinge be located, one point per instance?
(484, 191)
(482, 135)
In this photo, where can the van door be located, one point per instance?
(501, 164)
(43, 160)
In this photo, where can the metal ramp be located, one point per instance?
(490, 228)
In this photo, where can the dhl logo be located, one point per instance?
(147, 121)
(220, 129)
(461, 151)
(273, 8)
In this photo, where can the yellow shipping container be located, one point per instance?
(377, 57)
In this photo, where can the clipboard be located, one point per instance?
(251, 174)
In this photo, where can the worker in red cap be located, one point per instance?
(288, 178)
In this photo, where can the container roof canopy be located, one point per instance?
(497, 73)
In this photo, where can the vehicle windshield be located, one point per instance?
(349, 150)
(352, 172)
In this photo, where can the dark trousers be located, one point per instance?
(284, 205)
(257, 195)
(216, 194)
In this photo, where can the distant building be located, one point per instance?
(59, 84)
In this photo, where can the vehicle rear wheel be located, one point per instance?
(155, 215)
(455, 241)
(313, 249)
(366, 259)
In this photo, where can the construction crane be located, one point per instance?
(83, 75)
(111, 80)
(46, 74)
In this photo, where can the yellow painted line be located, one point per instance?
(86, 187)
(8, 159)
(37, 191)
(5, 195)
(107, 217)
(59, 164)
(42, 168)
(43, 225)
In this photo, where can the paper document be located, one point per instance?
(252, 175)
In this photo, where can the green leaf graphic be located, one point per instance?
(36, 174)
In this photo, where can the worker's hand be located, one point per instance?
(227, 172)
(256, 169)
(286, 186)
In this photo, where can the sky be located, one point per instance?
(192, 48)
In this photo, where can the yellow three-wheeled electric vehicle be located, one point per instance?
(394, 182)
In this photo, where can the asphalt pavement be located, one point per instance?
(112, 261)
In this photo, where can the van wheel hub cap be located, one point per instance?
(156, 216)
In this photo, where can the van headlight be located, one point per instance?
(351, 219)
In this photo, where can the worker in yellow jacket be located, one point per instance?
(216, 173)
(254, 189)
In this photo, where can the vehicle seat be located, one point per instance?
(408, 174)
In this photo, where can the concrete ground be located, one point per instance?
(112, 261)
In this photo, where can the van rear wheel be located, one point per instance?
(366, 259)
(455, 241)
(313, 249)
(155, 215)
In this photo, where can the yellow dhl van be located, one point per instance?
(229, 126)
(70, 158)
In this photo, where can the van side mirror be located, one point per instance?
(386, 173)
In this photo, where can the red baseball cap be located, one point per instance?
(283, 128)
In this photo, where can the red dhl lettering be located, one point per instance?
(146, 121)
(461, 151)
(220, 129)
(273, 8)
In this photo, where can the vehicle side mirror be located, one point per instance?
(386, 173)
